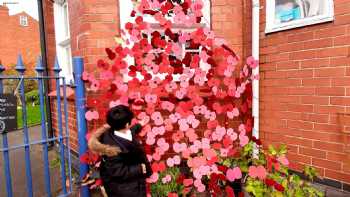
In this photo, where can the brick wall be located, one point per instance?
(305, 93)
(16, 39)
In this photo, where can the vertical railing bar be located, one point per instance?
(20, 68)
(67, 133)
(57, 70)
(40, 70)
(5, 145)
(81, 121)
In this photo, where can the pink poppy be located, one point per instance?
(151, 98)
(157, 118)
(166, 179)
(166, 105)
(233, 174)
(257, 172)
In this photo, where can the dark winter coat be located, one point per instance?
(122, 175)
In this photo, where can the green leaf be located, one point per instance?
(272, 150)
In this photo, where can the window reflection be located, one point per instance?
(290, 10)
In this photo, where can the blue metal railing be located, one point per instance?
(80, 107)
(62, 136)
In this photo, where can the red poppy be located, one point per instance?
(270, 182)
(222, 168)
(180, 179)
(279, 187)
(229, 191)
(110, 53)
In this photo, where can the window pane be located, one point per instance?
(23, 20)
(68, 52)
(290, 10)
(66, 21)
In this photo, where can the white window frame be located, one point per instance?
(272, 27)
(63, 41)
(23, 20)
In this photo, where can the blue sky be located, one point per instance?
(28, 6)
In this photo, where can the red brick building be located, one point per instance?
(304, 69)
(19, 35)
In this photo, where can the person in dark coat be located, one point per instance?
(124, 167)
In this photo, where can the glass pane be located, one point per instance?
(66, 21)
(290, 10)
(69, 60)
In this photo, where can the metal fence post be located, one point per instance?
(21, 69)
(40, 69)
(5, 145)
(57, 71)
(81, 122)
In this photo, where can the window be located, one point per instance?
(63, 44)
(23, 20)
(288, 14)
(126, 7)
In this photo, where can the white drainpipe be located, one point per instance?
(255, 53)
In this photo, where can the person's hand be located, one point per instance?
(144, 170)
(106, 126)
(111, 151)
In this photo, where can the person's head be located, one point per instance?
(119, 117)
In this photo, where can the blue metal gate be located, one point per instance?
(61, 138)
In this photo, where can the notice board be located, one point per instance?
(8, 113)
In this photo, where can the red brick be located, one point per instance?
(340, 61)
(300, 108)
(299, 158)
(321, 43)
(340, 101)
(331, 32)
(326, 164)
(321, 136)
(333, 52)
(321, 100)
(301, 37)
(329, 109)
(288, 65)
(331, 91)
(300, 73)
(332, 156)
(312, 152)
(338, 175)
(329, 146)
(315, 63)
(319, 118)
(298, 141)
(342, 20)
(317, 82)
(303, 55)
(339, 41)
(330, 72)
(327, 128)
(304, 125)
(288, 47)
(301, 91)
(343, 81)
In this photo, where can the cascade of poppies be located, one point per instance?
(187, 83)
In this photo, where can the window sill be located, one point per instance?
(298, 23)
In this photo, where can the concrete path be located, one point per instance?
(18, 172)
